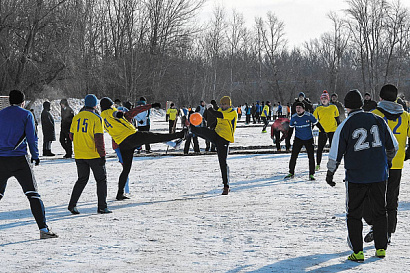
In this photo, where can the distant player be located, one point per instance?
(368, 147)
(303, 123)
(280, 126)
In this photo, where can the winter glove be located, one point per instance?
(102, 161)
(119, 114)
(156, 105)
(35, 160)
(407, 154)
(141, 122)
(329, 178)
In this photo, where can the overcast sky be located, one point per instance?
(304, 19)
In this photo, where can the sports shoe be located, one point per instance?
(311, 177)
(317, 167)
(178, 143)
(121, 197)
(47, 234)
(225, 191)
(264, 131)
(74, 210)
(380, 253)
(356, 257)
(290, 175)
(103, 211)
(67, 156)
(369, 237)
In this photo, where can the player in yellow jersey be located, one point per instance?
(127, 137)
(398, 121)
(171, 117)
(87, 134)
(328, 116)
(222, 135)
(265, 115)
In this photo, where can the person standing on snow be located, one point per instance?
(264, 116)
(368, 146)
(281, 125)
(143, 121)
(221, 136)
(127, 137)
(87, 134)
(47, 124)
(340, 107)
(328, 116)
(67, 115)
(17, 126)
(302, 122)
(172, 116)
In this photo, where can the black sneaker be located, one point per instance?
(67, 156)
(369, 237)
(74, 210)
(103, 211)
(226, 191)
(47, 234)
(122, 197)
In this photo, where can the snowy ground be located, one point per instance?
(177, 221)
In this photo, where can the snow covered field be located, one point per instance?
(177, 221)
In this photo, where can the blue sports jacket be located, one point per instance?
(16, 131)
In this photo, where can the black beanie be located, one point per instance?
(16, 97)
(389, 92)
(353, 99)
(143, 99)
(299, 103)
(106, 103)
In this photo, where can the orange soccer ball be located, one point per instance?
(195, 119)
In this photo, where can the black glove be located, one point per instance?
(141, 122)
(120, 114)
(35, 160)
(407, 154)
(329, 178)
(102, 161)
(156, 105)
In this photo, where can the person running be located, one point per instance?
(328, 116)
(264, 116)
(48, 127)
(221, 136)
(368, 147)
(172, 116)
(280, 125)
(127, 136)
(17, 125)
(87, 134)
(398, 121)
(302, 122)
(67, 115)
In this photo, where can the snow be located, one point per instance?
(177, 221)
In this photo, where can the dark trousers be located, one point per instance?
(222, 148)
(128, 146)
(265, 123)
(248, 119)
(297, 146)
(392, 202)
(355, 199)
(145, 129)
(100, 175)
(277, 133)
(194, 139)
(19, 167)
(47, 145)
(66, 143)
(323, 137)
(172, 125)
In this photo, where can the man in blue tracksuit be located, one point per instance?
(17, 130)
(368, 147)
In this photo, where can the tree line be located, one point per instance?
(156, 48)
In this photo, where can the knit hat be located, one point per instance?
(325, 94)
(143, 99)
(225, 100)
(91, 100)
(301, 104)
(353, 99)
(388, 92)
(301, 94)
(106, 103)
(367, 94)
(334, 95)
(16, 97)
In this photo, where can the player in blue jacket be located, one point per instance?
(302, 122)
(17, 130)
(368, 147)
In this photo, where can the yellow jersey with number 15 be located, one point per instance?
(85, 124)
(118, 128)
(226, 126)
